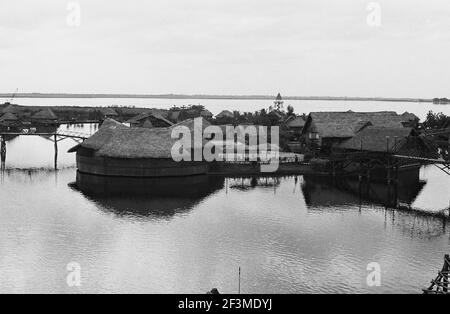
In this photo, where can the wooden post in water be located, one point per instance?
(56, 151)
(388, 161)
(239, 284)
(445, 272)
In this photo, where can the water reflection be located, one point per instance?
(325, 192)
(396, 202)
(147, 197)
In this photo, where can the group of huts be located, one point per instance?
(142, 146)
(374, 132)
(14, 117)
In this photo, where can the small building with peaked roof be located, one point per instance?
(10, 108)
(149, 120)
(411, 120)
(45, 116)
(206, 114)
(225, 114)
(8, 117)
(107, 112)
(9, 120)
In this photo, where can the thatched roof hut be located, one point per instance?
(225, 114)
(295, 122)
(386, 140)
(374, 139)
(45, 115)
(115, 140)
(154, 118)
(408, 116)
(10, 108)
(107, 112)
(190, 123)
(347, 124)
(102, 136)
(8, 117)
(206, 114)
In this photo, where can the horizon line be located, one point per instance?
(208, 96)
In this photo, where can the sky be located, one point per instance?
(379, 48)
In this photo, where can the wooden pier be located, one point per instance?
(440, 285)
(55, 137)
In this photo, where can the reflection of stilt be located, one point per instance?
(360, 194)
(56, 152)
(3, 153)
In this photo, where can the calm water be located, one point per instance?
(292, 234)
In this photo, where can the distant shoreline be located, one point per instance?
(224, 97)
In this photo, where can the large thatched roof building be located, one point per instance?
(116, 150)
(404, 141)
(327, 129)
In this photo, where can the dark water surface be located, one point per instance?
(285, 234)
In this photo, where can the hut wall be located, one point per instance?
(138, 167)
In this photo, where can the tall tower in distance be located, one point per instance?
(279, 102)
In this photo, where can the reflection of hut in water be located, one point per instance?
(251, 182)
(116, 150)
(324, 192)
(149, 197)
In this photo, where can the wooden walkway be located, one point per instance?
(55, 137)
(440, 285)
(61, 134)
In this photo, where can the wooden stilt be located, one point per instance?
(440, 284)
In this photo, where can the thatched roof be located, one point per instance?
(8, 117)
(346, 124)
(108, 112)
(115, 140)
(191, 125)
(225, 114)
(45, 114)
(10, 109)
(206, 113)
(100, 137)
(374, 139)
(138, 143)
(296, 122)
(148, 114)
(408, 116)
